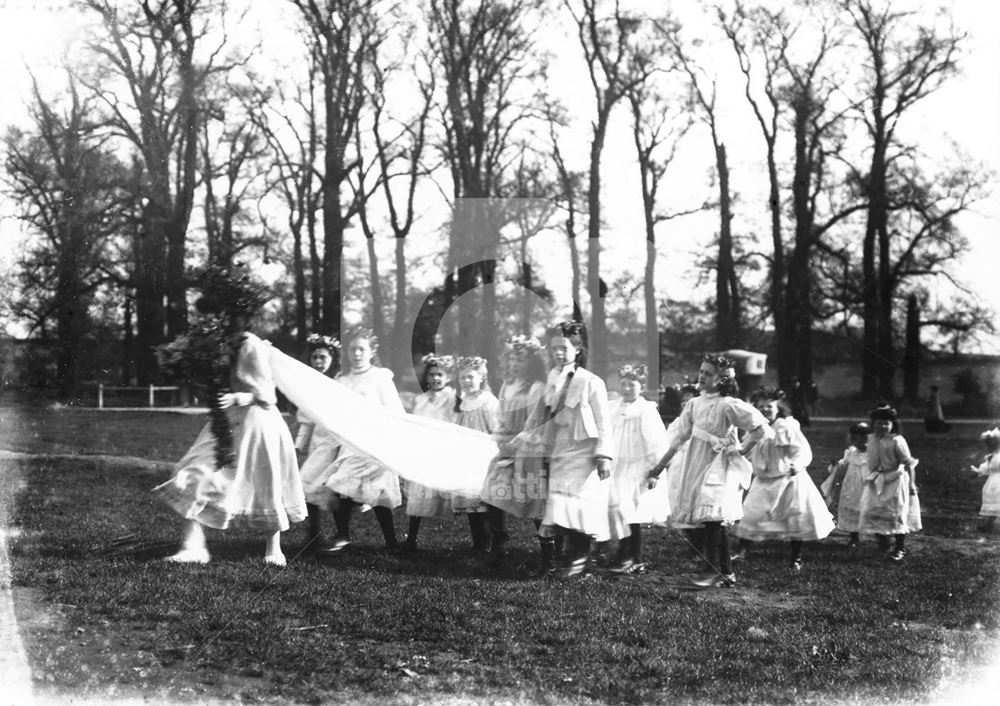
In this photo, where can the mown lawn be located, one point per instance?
(102, 617)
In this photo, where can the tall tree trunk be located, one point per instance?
(797, 306)
(149, 292)
(777, 284)
(127, 341)
(886, 348)
(527, 289)
(378, 321)
(726, 286)
(316, 274)
(652, 320)
(401, 345)
(598, 360)
(333, 253)
(911, 358)
(871, 377)
(298, 264)
(488, 324)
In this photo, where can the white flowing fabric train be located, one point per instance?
(437, 454)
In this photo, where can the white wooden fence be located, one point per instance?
(152, 389)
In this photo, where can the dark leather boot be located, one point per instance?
(547, 563)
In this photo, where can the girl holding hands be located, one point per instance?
(437, 401)
(715, 471)
(889, 502)
(575, 431)
(515, 483)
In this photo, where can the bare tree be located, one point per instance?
(483, 49)
(761, 33)
(287, 116)
(568, 197)
(728, 304)
(399, 144)
(69, 191)
(152, 63)
(342, 34)
(615, 65)
(907, 59)
(231, 160)
(659, 124)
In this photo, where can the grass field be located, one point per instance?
(101, 617)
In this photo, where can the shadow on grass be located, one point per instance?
(365, 626)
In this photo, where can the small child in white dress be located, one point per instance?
(715, 470)
(515, 482)
(316, 446)
(437, 401)
(783, 502)
(889, 501)
(990, 467)
(356, 479)
(476, 407)
(846, 481)
(639, 440)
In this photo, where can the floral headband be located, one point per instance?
(633, 372)
(571, 328)
(365, 333)
(472, 361)
(445, 362)
(523, 345)
(884, 412)
(767, 394)
(318, 340)
(724, 367)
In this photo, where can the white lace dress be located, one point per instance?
(578, 432)
(515, 482)
(262, 489)
(640, 440)
(422, 501)
(479, 411)
(991, 491)
(354, 475)
(713, 477)
(781, 504)
(887, 506)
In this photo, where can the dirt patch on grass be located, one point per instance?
(94, 664)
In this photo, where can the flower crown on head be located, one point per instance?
(523, 345)
(365, 333)
(767, 394)
(633, 372)
(993, 433)
(571, 328)
(445, 362)
(884, 412)
(724, 367)
(471, 361)
(318, 340)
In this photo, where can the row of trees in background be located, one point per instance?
(177, 141)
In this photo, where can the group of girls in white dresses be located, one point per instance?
(580, 467)
(873, 487)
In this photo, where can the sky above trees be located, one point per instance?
(37, 34)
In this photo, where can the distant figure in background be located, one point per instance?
(933, 414)
(812, 395)
(797, 401)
